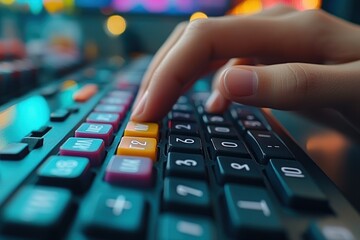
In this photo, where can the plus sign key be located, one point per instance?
(118, 215)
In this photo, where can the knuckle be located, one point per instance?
(295, 84)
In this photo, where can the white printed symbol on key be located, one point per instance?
(185, 190)
(118, 205)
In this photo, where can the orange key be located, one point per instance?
(85, 93)
(135, 129)
(138, 146)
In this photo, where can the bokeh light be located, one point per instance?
(198, 15)
(115, 25)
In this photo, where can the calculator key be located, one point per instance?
(266, 145)
(183, 128)
(184, 144)
(185, 165)
(242, 113)
(294, 185)
(250, 125)
(130, 171)
(33, 142)
(37, 212)
(216, 119)
(91, 148)
(251, 213)
(187, 108)
(14, 151)
(221, 131)
(331, 229)
(93, 130)
(186, 195)
(40, 132)
(110, 108)
(119, 215)
(239, 170)
(228, 147)
(107, 118)
(135, 129)
(138, 146)
(85, 93)
(182, 100)
(115, 101)
(181, 116)
(59, 115)
(175, 227)
(66, 171)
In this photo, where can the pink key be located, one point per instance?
(129, 170)
(91, 148)
(110, 108)
(94, 130)
(109, 118)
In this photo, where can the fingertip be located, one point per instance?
(216, 103)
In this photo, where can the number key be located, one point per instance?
(181, 164)
(138, 146)
(183, 128)
(229, 147)
(184, 144)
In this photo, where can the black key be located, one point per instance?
(250, 125)
(242, 113)
(73, 109)
(187, 108)
(294, 185)
(216, 119)
(183, 128)
(185, 165)
(59, 115)
(40, 132)
(184, 144)
(266, 145)
(221, 131)
(229, 147)
(182, 100)
(181, 116)
(66, 171)
(186, 195)
(118, 215)
(33, 142)
(14, 151)
(251, 213)
(331, 229)
(175, 227)
(38, 212)
(230, 169)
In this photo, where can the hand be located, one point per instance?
(303, 60)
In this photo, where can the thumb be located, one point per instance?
(293, 85)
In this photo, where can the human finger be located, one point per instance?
(293, 86)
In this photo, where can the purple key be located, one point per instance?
(127, 170)
(109, 118)
(94, 130)
(91, 148)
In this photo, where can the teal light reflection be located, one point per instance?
(26, 116)
(35, 6)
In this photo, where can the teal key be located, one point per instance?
(174, 227)
(251, 213)
(117, 214)
(66, 171)
(37, 212)
(186, 195)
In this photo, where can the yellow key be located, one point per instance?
(135, 129)
(138, 146)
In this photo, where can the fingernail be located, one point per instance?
(140, 107)
(239, 82)
(215, 103)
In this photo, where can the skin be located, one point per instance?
(295, 60)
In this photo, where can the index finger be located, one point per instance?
(207, 40)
